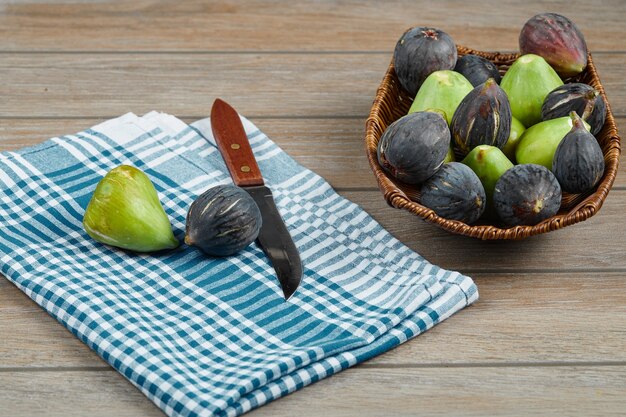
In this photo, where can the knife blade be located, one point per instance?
(274, 237)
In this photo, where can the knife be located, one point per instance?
(274, 238)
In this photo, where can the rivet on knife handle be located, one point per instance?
(234, 145)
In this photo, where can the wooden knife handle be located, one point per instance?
(233, 144)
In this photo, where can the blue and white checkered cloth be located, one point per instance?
(202, 336)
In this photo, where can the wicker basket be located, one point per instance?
(392, 102)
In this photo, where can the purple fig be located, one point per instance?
(578, 161)
(482, 118)
(557, 39)
(477, 69)
(578, 97)
(419, 52)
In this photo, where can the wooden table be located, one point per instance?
(548, 335)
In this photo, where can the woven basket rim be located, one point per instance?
(582, 211)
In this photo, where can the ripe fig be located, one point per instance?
(578, 97)
(223, 221)
(557, 39)
(442, 90)
(517, 130)
(419, 52)
(539, 142)
(527, 83)
(454, 193)
(477, 69)
(488, 163)
(526, 195)
(578, 161)
(125, 212)
(482, 118)
(414, 147)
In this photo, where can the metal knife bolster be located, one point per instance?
(276, 241)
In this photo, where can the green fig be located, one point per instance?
(517, 129)
(449, 156)
(527, 83)
(539, 142)
(125, 212)
(489, 163)
(442, 90)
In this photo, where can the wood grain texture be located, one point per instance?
(117, 25)
(466, 391)
(520, 318)
(267, 85)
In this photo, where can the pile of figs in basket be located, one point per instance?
(478, 144)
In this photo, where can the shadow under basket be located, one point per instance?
(392, 102)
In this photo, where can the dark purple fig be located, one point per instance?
(578, 97)
(477, 69)
(557, 39)
(578, 161)
(419, 52)
(482, 118)
(455, 193)
(414, 147)
(526, 195)
(223, 220)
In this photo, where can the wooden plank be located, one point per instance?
(271, 25)
(266, 85)
(441, 391)
(520, 318)
(333, 148)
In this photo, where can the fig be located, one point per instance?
(482, 118)
(442, 90)
(454, 193)
(517, 129)
(578, 97)
(539, 142)
(557, 39)
(527, 83)
(449, 156)
(477, 69)
(488, 163)
(414, 147)
(419, 52)
(578, 162)
(526, 195)
(223, 221)
(125, 212)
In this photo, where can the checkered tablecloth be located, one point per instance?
(204, 336)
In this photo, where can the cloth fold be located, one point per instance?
(204, 336)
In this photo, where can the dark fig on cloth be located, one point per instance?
(557, 39)
(526, 195)
(223, 221)
(454, 193)
(477, 69)
(527, 83)
(419, 52)
(578, 97)
(578, 161)
(414, 147)
(482, 118)
(441, 91)
(125, 212)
